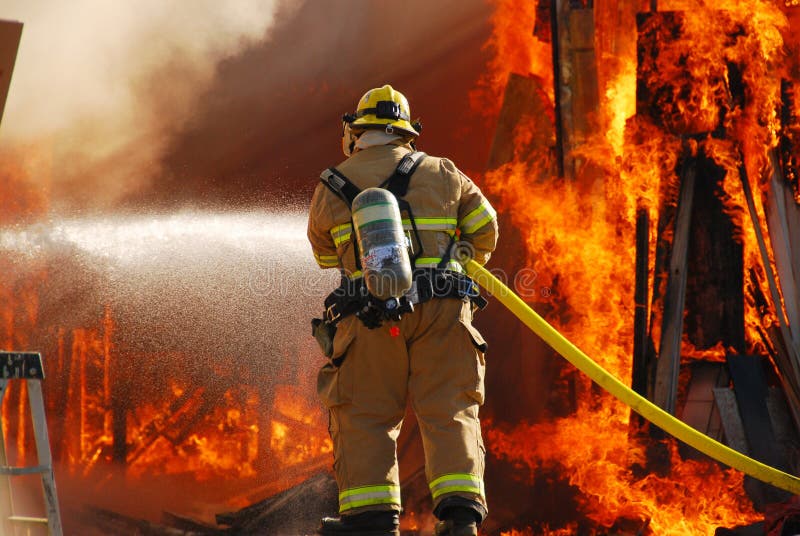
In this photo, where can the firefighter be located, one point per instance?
(420, 349)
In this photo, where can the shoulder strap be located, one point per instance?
(340, 185)
(347, 192)
(398, 182)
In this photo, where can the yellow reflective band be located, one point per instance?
(341, 233)
(450, 489)
(431, 224)
(368, 495)
(433, 262)
(327, 261)
(354, 275)
(477, 218)
(456, 482)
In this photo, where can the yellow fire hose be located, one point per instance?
(622, 392)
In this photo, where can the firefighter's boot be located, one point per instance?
(458, 521)
(376, 523)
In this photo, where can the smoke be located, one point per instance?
(172, 103)
(103, 85)
(270, 121)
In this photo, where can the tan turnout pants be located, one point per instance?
(434, 362)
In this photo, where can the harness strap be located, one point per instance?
(397, 183)
(340, 185)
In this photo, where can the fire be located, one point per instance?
(579, 234)
(183, 429)
(715, 353)
(515, 50)
(592, 448)
(19, 199)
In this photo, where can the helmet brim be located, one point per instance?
(373, 123)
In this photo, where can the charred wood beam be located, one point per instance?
(786, 434)
(209, 402)
(790, 130)
(190, 525)
(725, 401)
(280, 515)
(158, 427)
(313, 466)
(776, 349)
(575, 79)
(120, 396)
(556, 47)
(666, 219)
(755, 529)
(669, 359)
(780, 235)
(116, 523)
(525, 102)
(791, 348)
(783, 363)
(639, 379)
(750, 387)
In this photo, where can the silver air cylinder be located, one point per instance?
(381, 243)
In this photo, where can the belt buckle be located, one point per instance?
(332, 314)
(412, 295)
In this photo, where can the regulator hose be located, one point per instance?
(625, 394)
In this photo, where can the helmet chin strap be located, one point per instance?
(348, 139)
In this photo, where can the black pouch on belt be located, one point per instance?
(324, 332)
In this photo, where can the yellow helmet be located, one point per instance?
(383, 108)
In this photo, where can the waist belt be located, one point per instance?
(352, 295)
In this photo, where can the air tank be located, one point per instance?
(381, 243)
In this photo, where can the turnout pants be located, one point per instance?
(436, 362)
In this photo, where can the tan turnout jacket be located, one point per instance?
(444, 201)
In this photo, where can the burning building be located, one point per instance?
(643, 160)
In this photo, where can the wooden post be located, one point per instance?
(669, 359)
(640, 354)
(575, 79)
(780, 233)
(792, 350)
(10, 34)
(750, 387)
(556, 47)
(525, 102)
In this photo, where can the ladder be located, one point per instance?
(27, 366)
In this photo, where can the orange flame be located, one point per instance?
(515, 50)
(580, 238)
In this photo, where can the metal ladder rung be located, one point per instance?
(18, 471)
(26, 519)
(28, 366)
